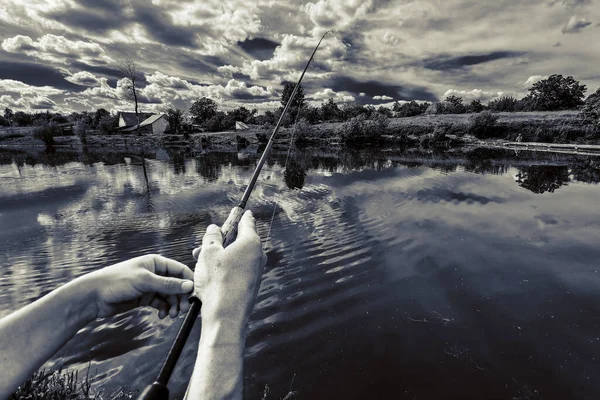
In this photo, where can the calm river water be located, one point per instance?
(396, 275)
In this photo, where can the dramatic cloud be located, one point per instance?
(259, 48)
(83, 78)
(57, 49)
(66, 53)
(442, 63)
(336, 14)
(576, 25)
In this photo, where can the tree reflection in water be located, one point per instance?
(294, 175)
(543, 178)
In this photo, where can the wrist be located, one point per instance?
(220, 331)
(82, 307)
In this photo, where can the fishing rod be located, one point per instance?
(158, 390)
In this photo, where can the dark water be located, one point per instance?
(404, 275)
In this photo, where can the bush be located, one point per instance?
(108, 123)
(454, 105)
(351, 130)
(46, 133)
(503, 104)
(81, 128)
(475, 106)
(591, 108)
(304, 132)
(410, 109)
(376, 126)
(361, 130)
(482, 125)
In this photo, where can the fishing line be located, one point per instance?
(287, 157)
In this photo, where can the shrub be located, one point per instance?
(454, 105)
(361, 130)
(81, 128)
(591, 109)
(475, 106)
(108, 123)
(410, 109)
(503, 104)
(46, 133)
(351, 130)
(376, 126)
(304, 132)
(482, 125)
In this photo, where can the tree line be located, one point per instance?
(551, 94)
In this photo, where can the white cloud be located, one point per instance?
(293, 53)
(533, 79)
(18, 87)
(475, 94)
(83, 78)
(336, 14)
(10, 102)
(576, 25)
(328, 93)
(384, 97)
(57, 49)
(41, 103)
(163, 80)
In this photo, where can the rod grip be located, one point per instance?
(230, 227)
(156, 391)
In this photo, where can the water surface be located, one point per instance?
(411, 275)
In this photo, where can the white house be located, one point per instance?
(149, 123)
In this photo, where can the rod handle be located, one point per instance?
(230, 227)
(156, 391)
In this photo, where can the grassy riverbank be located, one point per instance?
(546, 127)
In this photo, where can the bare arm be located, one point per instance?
(31, 335)
(227, 282)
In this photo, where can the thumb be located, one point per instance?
(166, 286)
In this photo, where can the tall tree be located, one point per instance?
(298, 101)
(175, 118)
(203, 109)
(9, 115)
(557, 93)
(128, 69)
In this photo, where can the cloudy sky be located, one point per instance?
(62, 55)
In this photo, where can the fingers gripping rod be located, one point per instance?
(158, 390)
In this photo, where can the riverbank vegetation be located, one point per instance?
(554, 111)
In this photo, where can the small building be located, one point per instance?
(152, 123)
(128, 119)
(240, 126)
(66, 128)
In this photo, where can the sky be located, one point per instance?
(63, 56)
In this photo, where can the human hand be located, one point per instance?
(227, 279)
(150, 280)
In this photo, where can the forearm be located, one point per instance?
(218, 372)
(31, 335)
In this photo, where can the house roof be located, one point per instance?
(152, 119)
(131, 120)
(148, 121)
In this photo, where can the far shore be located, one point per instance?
(524, 129)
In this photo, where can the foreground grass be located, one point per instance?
(56, 385)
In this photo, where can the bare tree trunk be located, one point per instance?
(137, 115)
(128, 69)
